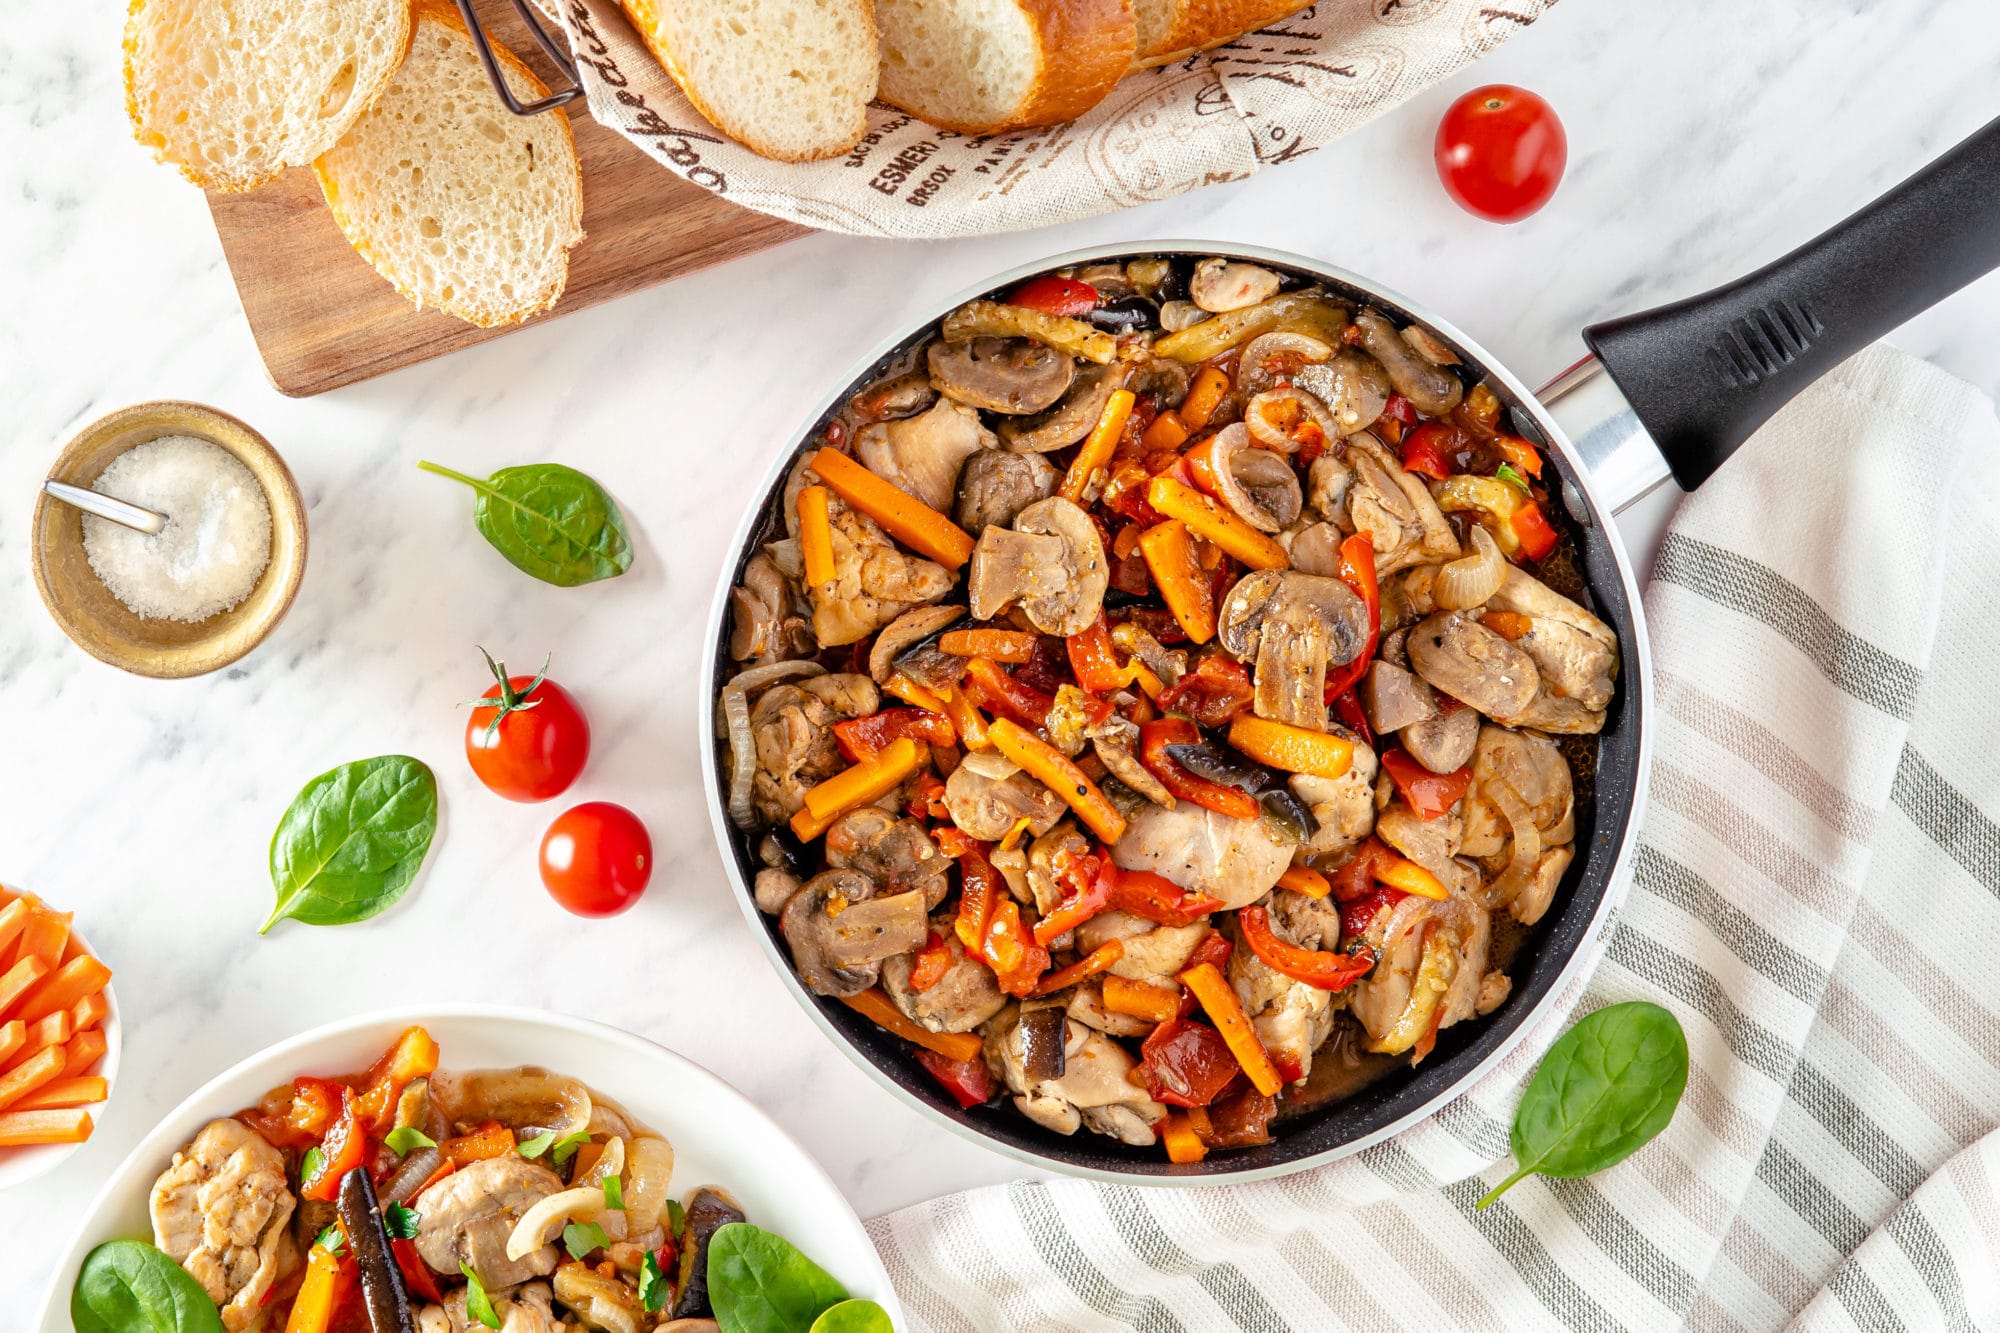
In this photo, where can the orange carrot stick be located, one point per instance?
(42, 1034)
(46, 934)
(1306, 880)
(1001, 645)
(1096, 450)
(18, 1129)
(1097, 960)
(13, 1036)
(1207, 518)
(83, 1052)
(902, 515)
(1204, 395)
(59, 1092)
(816, 536)
(1050, 767)
(42, 1067)
(19, 980)
(1184, 1145)
(13, 920)
(68, 984)
(88, 1012)
(874, 1005)
(1140, 999)
(1226, 1012)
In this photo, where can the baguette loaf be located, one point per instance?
(790, 79)
(983, 66)
(457, 202)
(234, 91)
(1171, 30)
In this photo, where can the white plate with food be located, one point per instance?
(514, 1165)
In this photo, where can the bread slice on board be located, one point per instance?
(456, 201)
(1171, 30)
(790, 79)
(983, 66)
(234, 91)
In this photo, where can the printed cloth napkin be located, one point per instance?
(1814, 896)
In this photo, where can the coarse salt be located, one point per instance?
(216, 542)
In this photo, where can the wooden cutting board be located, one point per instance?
(323, 318)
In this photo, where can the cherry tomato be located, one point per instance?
(596, 859)
(530, 741)
(1054, 295)
(1501, 152)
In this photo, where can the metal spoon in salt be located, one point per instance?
(118, 511)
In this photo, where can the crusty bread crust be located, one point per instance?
(644, 16)
(1200, 25)
(1085, 46)
(532, 304)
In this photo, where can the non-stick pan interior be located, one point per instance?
(1602, 826)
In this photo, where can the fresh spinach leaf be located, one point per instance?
(677, 1218)
(536, 1146)
(1605, 1088)
(567, 1145)
(853, 1317)
(653, 1285)
(401, 1221)
(550, 521)
(127, 1286)
(406, 1139)
(352, 841)
(759, 1282)
(477, 1303)
(580, 1238)
(614, 1193)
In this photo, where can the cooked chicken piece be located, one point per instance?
(1344, 806)
(528, 1310)
(1431, 843)
(1523, 769)
(1236, 860)
(793, 728)
(873, 581)
(995, 486)
(895, 852)
(1432, 972)
(1310, 923)
(1327, 485)
(1444, 743)
(923, 454)
(1046, 855)
(219, 1211)
(1292, 1019)
(767, 616)
(1095, 1090)
(1153, 952)
(987, 794)
(1395, 509)
(963, 998)
(1221, 285)
(1576, 653)
(468, 1216)
(774, 888)
(1453, 652)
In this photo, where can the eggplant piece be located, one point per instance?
(708, 1210)
(1044, 1042)
(383, 1295)
(1127, 314)
(1288, 814)
(1218, 764)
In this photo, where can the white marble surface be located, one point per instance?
(1706, 136)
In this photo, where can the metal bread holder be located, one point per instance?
(557, 52)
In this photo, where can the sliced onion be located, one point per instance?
(545, 1221)
(736, 726)
(1266, 414)
(649, 1169)
(610, 1162)
(527, 1099)
(411, 1174)
(1526, 851)
(1471, 580)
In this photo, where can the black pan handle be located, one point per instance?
(1705, 372)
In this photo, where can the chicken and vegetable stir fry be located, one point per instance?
(1152, 677)
(415, 1198)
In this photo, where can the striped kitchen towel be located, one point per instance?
(1816, 895)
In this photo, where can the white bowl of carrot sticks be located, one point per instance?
(59, 1037)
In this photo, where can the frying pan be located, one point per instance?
(1668, 393)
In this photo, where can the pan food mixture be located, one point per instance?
(1151, 692)
(418, 1199)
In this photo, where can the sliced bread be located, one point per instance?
(1171, 30)
(234, 91)
(458, 203)
(983, 66)
(790, 79)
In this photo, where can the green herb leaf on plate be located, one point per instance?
(1505, 472)
(567, 1145)
(653, 1285)
(614, 1193)
(759, 1282)
(311, 1165)
(535, 1147)
(549, 521)
(127, 1286)
(401, 1221)
(853, 1317)
(581, 1238)
(1605, 1088)
(406, 1139)
(477, 1303)
(330, 1240)
(352, 841)
(677, 1218)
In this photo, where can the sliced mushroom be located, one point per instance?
(1468, 661)
(767, 617)
(1396, 510)
(1444, 743)
(873, 583)
(839, 932)
(469, 1216)
(1122, 764)
(1293, 627)
(1178, 315)
(1394, 699)
(923, 454)
(898, 396)
(995, 486)
(1221, 285)
(1431, 389)
(1315, 549)
(987, 794)
(1070, 419)
(1257, 485)
(1271, 359)
(904, 633)
(1051, 564)
(893, 851)
(1353, 387)
(1012, 375)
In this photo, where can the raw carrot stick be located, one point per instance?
(1140, 999)
(19, 980)
(1001, 645)
(18, 1129)
(88, 1012)
(1050, 767)
(874, 1005)
(13, 920)
(43, 1066)
(1097, 960)
(1096, 450)
(1224, 1010)
(13, 1036)
(83, 1052)
(46, 934)
(42, 1034)
(60, 1092)
(902, 515)
(80, 976)
(816, 535)
(1207, 518)
(1204, 395)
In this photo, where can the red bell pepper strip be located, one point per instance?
(1431, 448)
(1010, 950)
(933, 961)
(1094, 660)
(1347, 711)
(979, 894)
(969, 1082)
(1091, 878)
(1358, 914)
(314, 1103)
(1521, 453)
(417, 1275)
(1097, 960)
(1314, 967)
(1001, 694)
(1401, 411)
(1429, 794)
(1357, 571)
(1185, 1063)
(1213, 693)
(344, 1147)
(414, 1055)
(1531, 525)
(862, 738)
(1158, 899)
(927, 798)
(1053, 295)
(1155, 737)
(1355, 877)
